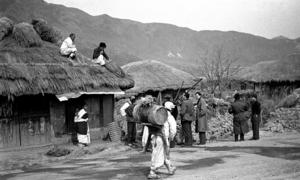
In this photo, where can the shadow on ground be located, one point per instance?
(289, 153)
(128, 168)
(205, 162)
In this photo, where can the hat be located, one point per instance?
(169, 105)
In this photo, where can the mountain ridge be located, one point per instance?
(130, 40)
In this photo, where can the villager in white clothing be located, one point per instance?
(160, 140)
(82, 128)
(68, 47)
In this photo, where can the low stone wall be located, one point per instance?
(284, 119)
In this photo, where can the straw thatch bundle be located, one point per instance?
(147, 112)
(290, 101)
(114, 68)
(6, 26)
(46, 32)
(26, 36)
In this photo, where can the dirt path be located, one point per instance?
(273, 157)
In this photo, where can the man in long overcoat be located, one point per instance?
(187, 117)
(241, 115)
(201, 118)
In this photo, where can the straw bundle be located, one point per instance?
(114, 68)
(46, 32)
(6, 26)
(26, 36)
(289, 101)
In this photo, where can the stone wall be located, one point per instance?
(284, 119)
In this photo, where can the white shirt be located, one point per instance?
(170, 127)
(100, 60)
(123, 108)
(68, 43)
(79, 116)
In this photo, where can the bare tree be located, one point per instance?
(219, 67)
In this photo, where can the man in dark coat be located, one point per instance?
(100, 50)
(187, 117)
(201, 118)
(240, 112)
(255, 117)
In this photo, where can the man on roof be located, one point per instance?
(99, 55)
(68, 47)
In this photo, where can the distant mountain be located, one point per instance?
(280, 38)
(132, 41)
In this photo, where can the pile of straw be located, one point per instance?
(6, 26)
(46, 32)
(26, 36)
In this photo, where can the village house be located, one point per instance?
(277, 78)
(40, 89)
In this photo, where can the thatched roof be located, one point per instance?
(30, 65)
(287, 69)
(156, 76)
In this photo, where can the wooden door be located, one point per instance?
(9, 133)
(108, 109)
(35, 130)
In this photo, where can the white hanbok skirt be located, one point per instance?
(84, 139)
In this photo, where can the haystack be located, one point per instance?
(156, 76)
(26, 36)
(6, 26)
(46, 32)
(29, 66)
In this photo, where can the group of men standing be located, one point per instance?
(242, 113)
(241, 110)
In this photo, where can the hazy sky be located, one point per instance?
(268, 18)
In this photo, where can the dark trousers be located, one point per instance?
(187, 132)
(236, 137)
(202, 137)
(131, 132)
(255, 120)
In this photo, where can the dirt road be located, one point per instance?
(273, 157)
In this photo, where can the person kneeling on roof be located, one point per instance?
(68, 47)
(99, 55)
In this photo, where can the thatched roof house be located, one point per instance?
(151, 75)
(33, 73)
(277, 75)
(285, 70)
(41, 69)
